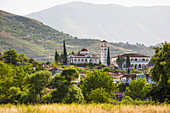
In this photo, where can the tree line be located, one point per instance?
(22, 83)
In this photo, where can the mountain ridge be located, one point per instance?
(40, 41)
(112, 22)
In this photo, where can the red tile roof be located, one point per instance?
(85, 55)
(84, 49)
(104, 41)
(131, 55)
(112, 74)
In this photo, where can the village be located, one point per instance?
(139, 66)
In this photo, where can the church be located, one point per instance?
(84, 57)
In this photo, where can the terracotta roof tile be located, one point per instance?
(131, 55)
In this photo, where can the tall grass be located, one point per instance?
(84, 108)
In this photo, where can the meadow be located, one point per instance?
(84, 108)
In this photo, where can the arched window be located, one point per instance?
(132, 59)
(136, 59)
(140, 66)
(143, 59)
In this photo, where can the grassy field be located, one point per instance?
(84, 108)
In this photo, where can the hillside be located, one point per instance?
(148, 25)
(39, 41)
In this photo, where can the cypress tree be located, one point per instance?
(56, 58)
(65, 53)
(127, 62)
(108, 57)
(120, 60)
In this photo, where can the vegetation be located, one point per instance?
(57, 57)
(138, 89)
(108, 57)
(84, 108)
(120, 61)
(38, 41)
(128, 62)
(65, 53)
(94, 80)
(161, 73)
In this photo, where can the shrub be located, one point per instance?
(99, 95)
(127, 100)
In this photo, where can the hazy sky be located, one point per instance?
(23, 7)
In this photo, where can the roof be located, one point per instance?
(104, 41)
(112, 74)
(81, 55)
(84, 49)
(131, 55)
(129, 75)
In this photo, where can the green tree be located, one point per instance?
(11, 56)
(74, 94)
(38, 81)
(122, 87)
(72, 52)
(20, 74)
(6, 79)
(23, 59)
(69, 74)
(120, 60)
(57, 57)
(1, 56)
(161, 60)
(161, 73)
(65, 91)
(127, 62)
(138, 89)
(96, 79)
(65, 53)
(99, 95)
(108, 57)
(31, 60)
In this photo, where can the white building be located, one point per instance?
(137, 61)
(104, 51)
(83, 57)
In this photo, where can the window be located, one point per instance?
(143, 59)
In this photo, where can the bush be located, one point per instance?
(99, 95)
(14, 94)
(46, 98)
(127, 100)
(74, 95)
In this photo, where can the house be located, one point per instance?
(83, 57)
(137, 60)
(115, 76)
(126, 78)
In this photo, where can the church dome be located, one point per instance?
(84, 49)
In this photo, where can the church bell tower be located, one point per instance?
(104, 51)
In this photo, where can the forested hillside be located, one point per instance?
(37, 40)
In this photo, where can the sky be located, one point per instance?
(23, 7)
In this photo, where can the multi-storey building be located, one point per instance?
(137, 61)
(83, 57)
(104, 51)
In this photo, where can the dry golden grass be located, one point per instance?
(84, 108)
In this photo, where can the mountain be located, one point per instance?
(147, 25)
(40, 41)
